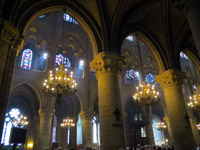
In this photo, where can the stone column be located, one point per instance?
(192, 11)
(195, 130)
(166, 119)
(9, 45)
(46, 116)
(108, 69)
(171, 83)
(149, 127)
(73, 134)
(36, 131)
(87, 117)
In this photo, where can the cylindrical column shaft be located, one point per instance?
(45, 129)
(108, 69)
(86, 117)
(171, 83)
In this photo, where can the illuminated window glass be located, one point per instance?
(129, 38)
(8, 125)
(95, 130)
(81, 64)
(143, 132)
(183, 55)
(131, 74)
(138, 117)
(68, 18)
(68, 135)
(42, 16)
(62, 60)
(79, 130)
(149, 78)
(26, 59)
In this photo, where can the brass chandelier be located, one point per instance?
(20, 121)
(161, 125)
(60, 83)
(198, 126)
(67, 123)
(194, 101)
(146, 94)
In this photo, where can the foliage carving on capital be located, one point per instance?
(49, 111)
(87, 115)
(107, 63)
(170, 78)
(8, 32)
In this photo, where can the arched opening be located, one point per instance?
(143, 64)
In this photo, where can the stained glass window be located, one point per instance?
(131, 74)
(42, 16)
(183, 55)
(26, 59)
(149, 78)
(94, 126)
(138, 117)
(143, 132)
(68, 135)
(158, 137)
(79, 130)
(60, 59)
(8, 125)
(81, 64)
(68, 18)
(129, 38)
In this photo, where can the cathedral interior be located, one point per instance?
(105, 74)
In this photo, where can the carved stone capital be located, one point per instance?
(49, 111)
(170, 78)
(87, 115)
(107, 63)
(8, 32)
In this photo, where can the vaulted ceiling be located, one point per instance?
(110, 21)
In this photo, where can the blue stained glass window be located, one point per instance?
(149, 78)
(81, 64)
(68, 135)
(131, 74)
(79, 130)
(95, 131)
(26, 59)
(68, 18)
(129, 38)
(60, 59)
(183, 55)
(42, 16)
